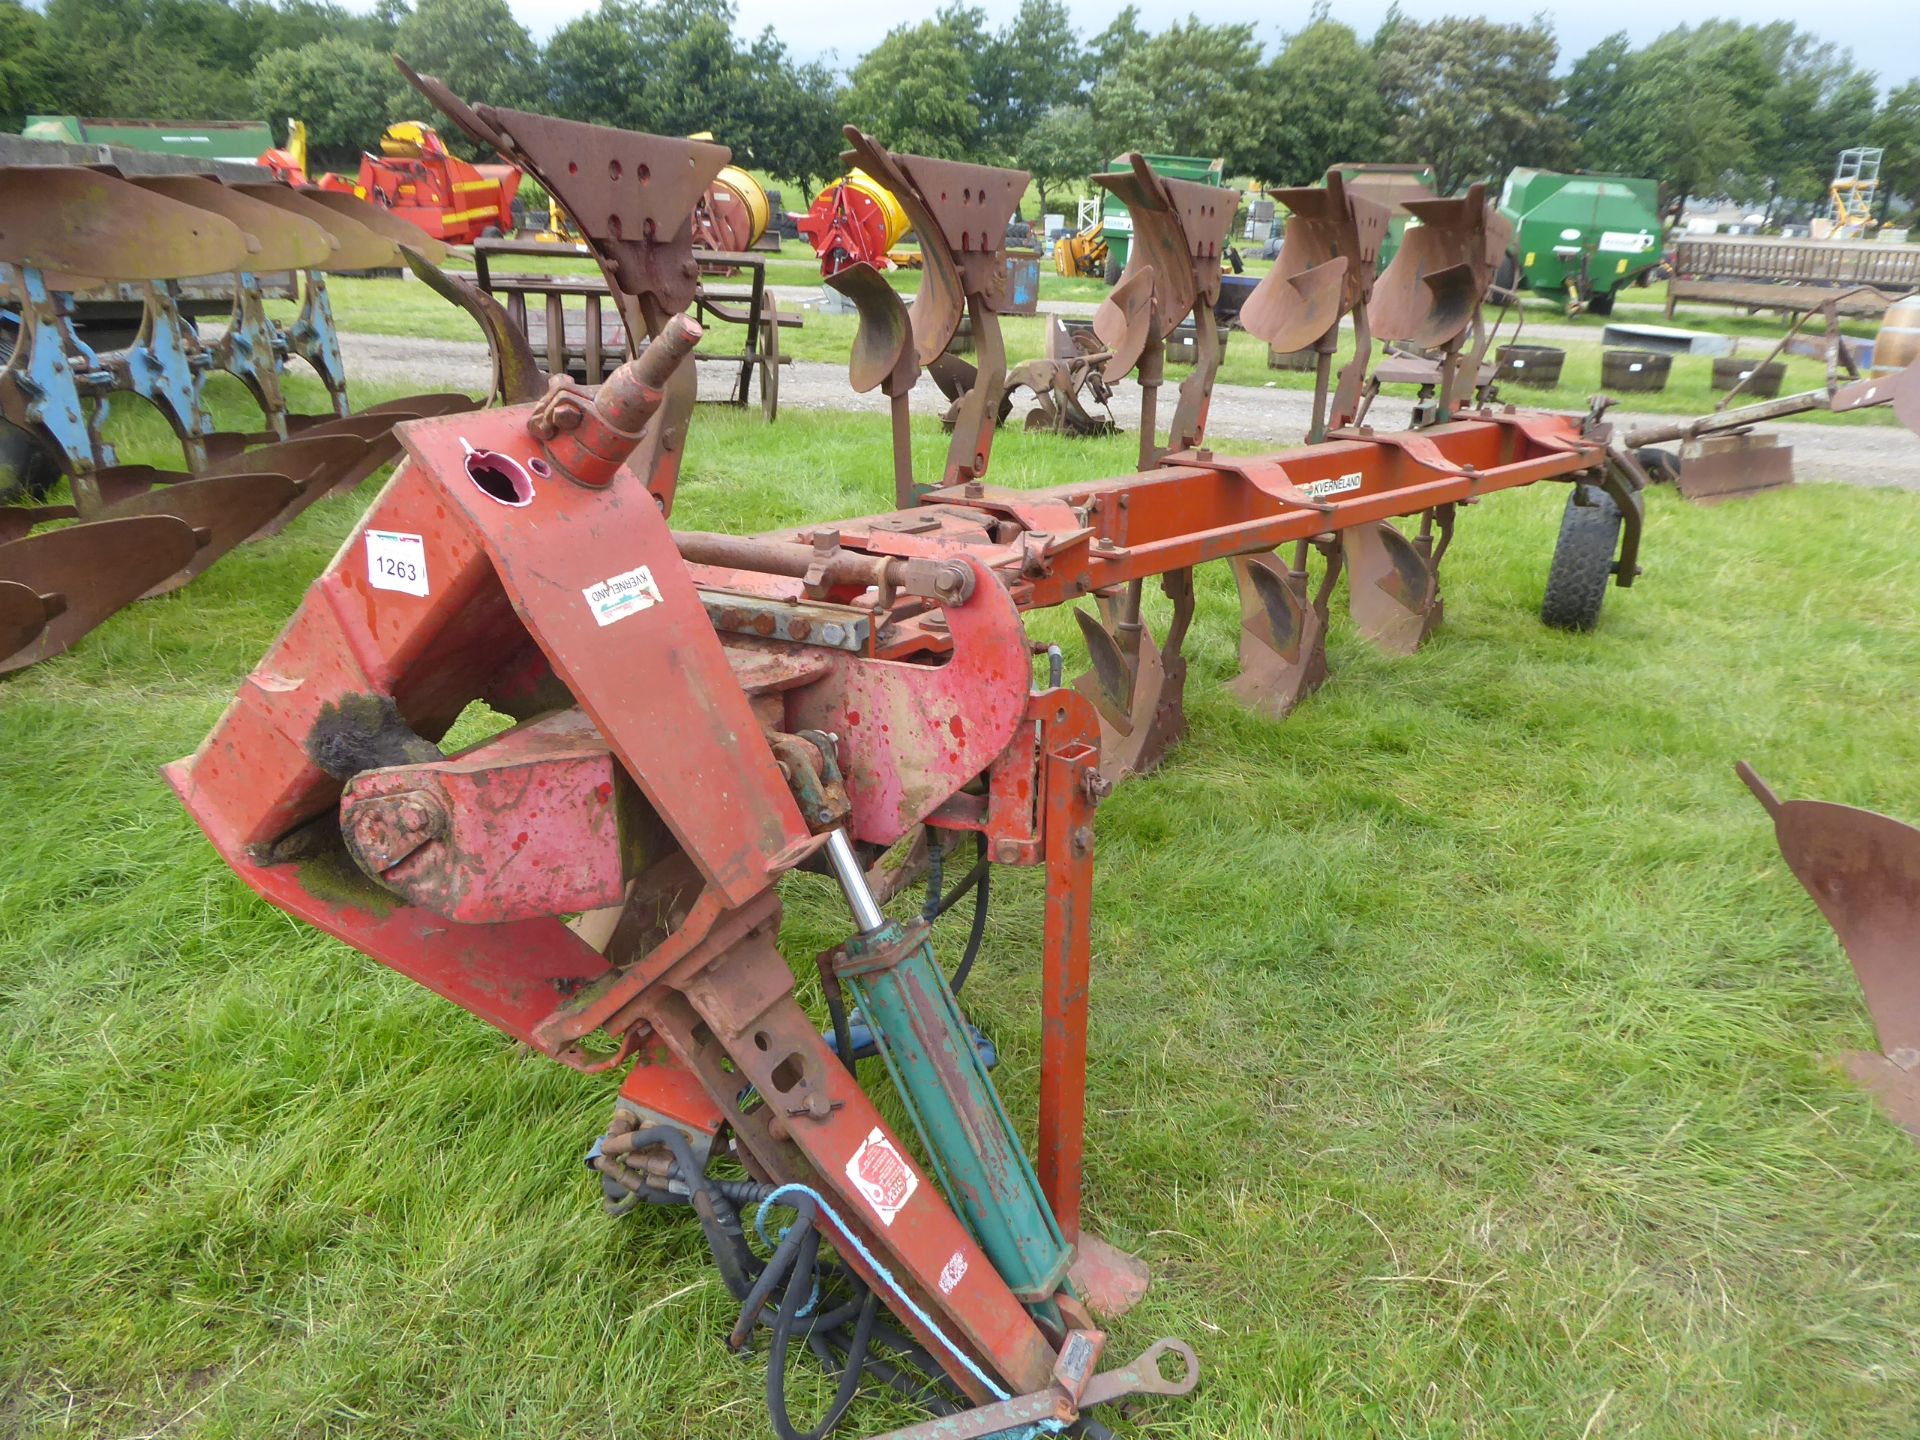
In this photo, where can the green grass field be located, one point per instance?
(1462, 1049)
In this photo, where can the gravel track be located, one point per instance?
(1871, 455)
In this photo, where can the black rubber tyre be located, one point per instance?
(1506, 274)
(1582, 560)
(1114, 268)
(1598, 304)
(1662, 466)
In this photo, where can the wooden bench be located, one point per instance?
(1766, 273)
(588, 339)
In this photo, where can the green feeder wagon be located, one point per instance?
(1581, 237)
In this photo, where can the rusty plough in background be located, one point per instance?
(697, 715)
(1722, 457)
(134, 530)
(1173, 273)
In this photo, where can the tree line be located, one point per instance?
(1754, 112)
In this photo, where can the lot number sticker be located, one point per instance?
(396, 562)
(619, 596)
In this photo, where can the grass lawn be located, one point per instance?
(1461, 1046)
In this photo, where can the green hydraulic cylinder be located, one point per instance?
(977, 1156)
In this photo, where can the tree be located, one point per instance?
(476, 47)
(1471, 97)
(913, 92)
(1060, 149)
(344, 92)
(1186, 91)
(673, 68)
(1597, 84)
(594, 68)
(1684, 112)
(1897, 129)
(1813, 104)
(796, 134)
(1103, 53)
(1040, 62)
(1321, 105)
(26, 72)
(168, 59)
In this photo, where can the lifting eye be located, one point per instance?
(499, 477)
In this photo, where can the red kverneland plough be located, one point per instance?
(698, 714)
(136, 530)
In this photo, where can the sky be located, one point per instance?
(1883, 34)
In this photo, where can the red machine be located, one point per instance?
(856, 220)
(697, 715)
(415, 177)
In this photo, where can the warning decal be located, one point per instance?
(882, 1176)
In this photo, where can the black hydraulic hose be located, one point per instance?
(959, 892)
(738, 1266)
(837, 1013)
(936, 869)
(981, 898)
(779, 1267)
(800, 1281)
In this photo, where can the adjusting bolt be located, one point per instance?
(385, 829)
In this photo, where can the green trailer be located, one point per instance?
(238, 142)
(1116, 223)
(1580, 237)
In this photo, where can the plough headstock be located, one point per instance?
(699, 714)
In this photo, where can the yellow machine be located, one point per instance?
(1085, 252)
(1855, 188)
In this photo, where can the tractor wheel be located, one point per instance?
(1582, 560)
(1662, 466)
(1600, 303)
(1114, 268)
(1508, 272)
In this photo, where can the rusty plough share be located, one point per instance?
(143, 531)
(1863, 871)
(699, 714)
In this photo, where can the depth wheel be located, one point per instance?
(1582, 560)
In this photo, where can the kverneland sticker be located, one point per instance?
(882, 1175)
(1338, 485)
(619, 596)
